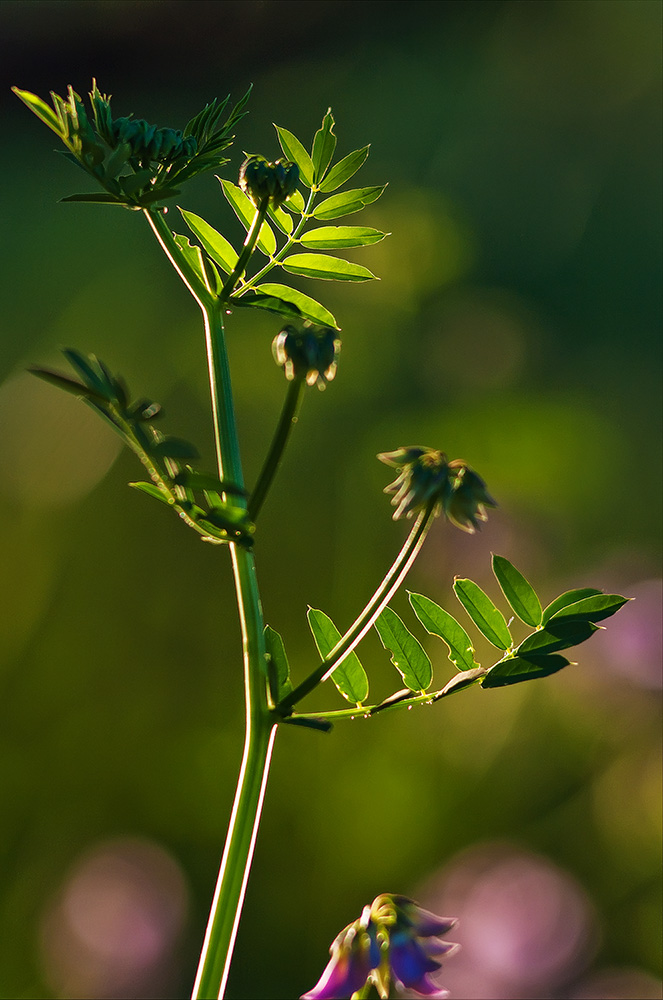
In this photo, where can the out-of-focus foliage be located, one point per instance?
(516, 324)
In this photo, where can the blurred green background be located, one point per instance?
(516, 325)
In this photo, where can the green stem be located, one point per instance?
(292, 238)
(287, 421)
(386, 590)
(228, 899)
(162, 231)
(249, 246)
(225, 913)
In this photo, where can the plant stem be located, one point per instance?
(228, 899)
(249, 244)
(287, 420)
(225, 913)
(386, 590)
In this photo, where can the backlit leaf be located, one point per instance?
(408, 656)
(487, 618)
(194, 257)
(324, 144)
(320, 265)
(245, 211)
(42, 110)
(439, 622)
(152, 491)
(347, 203)
(279, 668)
(294, 150)
(335, 237)
(349, 677)
(285, 301)
(344, 169)
(216, 245)
(281, 219)
(518, 591)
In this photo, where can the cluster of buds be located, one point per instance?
(260, 179)
(149, 143)
(393, 939)
(309, 353)
(426, 476)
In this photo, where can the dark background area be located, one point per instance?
(516, 325)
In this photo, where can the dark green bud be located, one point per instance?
(260, 179)
(310, 353)
(466, 504)
(426, 476)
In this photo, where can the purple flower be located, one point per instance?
(393, 938)
(354, 954)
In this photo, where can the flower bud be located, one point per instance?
(310, 353)
(466, 505)
(260, 179)
(426, 476)
(423, 477)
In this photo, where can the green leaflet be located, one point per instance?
(517, 669)
(286, 301)
(245, 211)
(278, 668)
(216, 245)
(593, 608)
(294, 150)
(321, 265)
(349, 677)
(347, 203)
(66, 383)
(555, 636)
(487, 618)
(408, 656)
(281, 219)
(295, 203)
(344, 169)
(194, 257)
(42, 111)
(152, 491)
(96, 199)
(336, 237)
(518, 591)
(439, 622)
(324, 144)
(563, 601)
